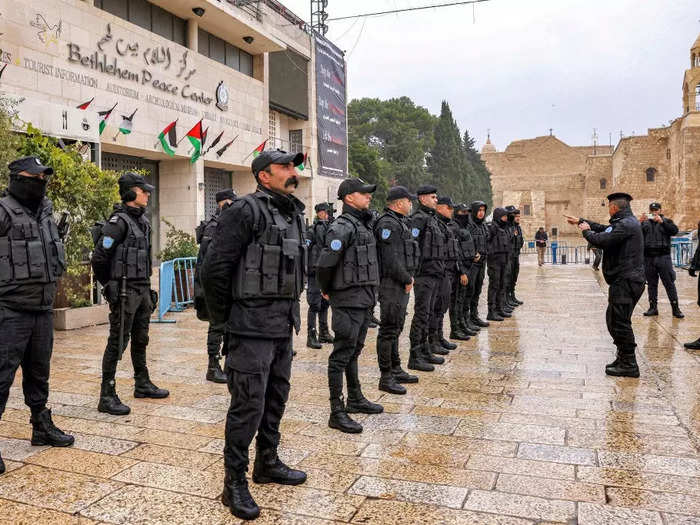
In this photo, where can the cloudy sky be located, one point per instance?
(524, 66)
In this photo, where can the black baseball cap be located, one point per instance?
(512, 210)
(447, 201)
(426, 189)
(399, 192)
(462, 207)
(29, 164)
(131, 180)
(225, 195)
(322, 206)
(655, 206)
(275, 156)
(619, 195)
(353, 185)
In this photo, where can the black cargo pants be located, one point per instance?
(258, 372)
(137, 316)
(442, 302)
(657, 267)
(393, 302)
(350, 329)
(215, 338)
(623, 296)
(478, 275)
(26, 340)
(318, 306)
(498, 273)
(425, 290)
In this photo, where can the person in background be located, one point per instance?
(541, 244)
(692, 270)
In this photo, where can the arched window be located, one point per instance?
(603, 183)
(651, 174)
(697, 90)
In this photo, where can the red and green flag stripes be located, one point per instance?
(171, 141)
(195, 137)
(104, 115)
(257, 151)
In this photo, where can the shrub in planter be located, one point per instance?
(180, 244)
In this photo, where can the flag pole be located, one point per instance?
(185, 135)
(156, 144)
(249, 154)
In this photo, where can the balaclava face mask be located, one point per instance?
(27, 189)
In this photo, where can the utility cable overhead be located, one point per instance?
(407, 9)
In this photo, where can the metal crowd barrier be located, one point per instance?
(176, 286)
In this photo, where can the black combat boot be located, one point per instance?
(324, 336)
(474, 316)
(143, 387)
(214, 372)
(388, 383)
(359, 404)
(503, 312)
(376, 322)
(653, 310)
(311, 339)
(493, 315)
(237, 498)
(515, 299)
(2, 466)
(435, 346)
(695, 345)
(466, 327)
(109, 400)
(676, 310)
(457, 331)
(429, 356)
(626, 365)
(402, 376)
(44, 432)
(269, 468)
(416, 361)
(340, 420)
(444, 342)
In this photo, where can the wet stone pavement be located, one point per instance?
(519, 426)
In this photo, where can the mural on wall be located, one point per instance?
(48, 34)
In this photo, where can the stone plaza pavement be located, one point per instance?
(519, 426)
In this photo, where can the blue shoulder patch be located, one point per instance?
(107, 242)
(415, 232)
(386, 233)
(608, 229)
(308, 242)
(336, 244)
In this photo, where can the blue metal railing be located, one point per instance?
(683, 249)
(176, 286)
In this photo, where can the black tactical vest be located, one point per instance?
(132, 258)
(451, 243)
(31, 251)
(656, 239)
(501, 240)
(359, 264)
(407, 250)
(434, 240)
(314, 247)
(273, 265)
(480, 233)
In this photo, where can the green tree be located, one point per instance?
(481, 188)
(446, 163)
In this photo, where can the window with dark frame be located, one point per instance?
(603, 184)
(148, 16)
(526, 209)
(651, 174)
(296, 144)
(218, 49)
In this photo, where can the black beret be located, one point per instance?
(446, 201)
(619, 195)
(426, 189)
(399, 192)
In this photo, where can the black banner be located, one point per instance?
(331, 109)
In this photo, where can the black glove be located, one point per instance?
(110, 292)
(154, 300)
(691, 272)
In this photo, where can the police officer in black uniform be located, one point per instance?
(215, 335)
(253, 276)
(431, 270)
(623, 269)
(398, 255)
(658, 231)
(518, 242)
(318, 305)
(32, 259)
(480, 233)
(348, 273)
(500, 250)
(692, 271)
(455, 278)
(468, 260)
(122, 264)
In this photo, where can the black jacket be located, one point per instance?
(480, 233)
(316, 240)
(116, 229)
(623, 247)
(339, 238)
(263, 318)
(541, 238)
(390, 230)
(450, 227)
(34, 297)
(500, 240)
(467, 248)
(657, 236)
(425, 222)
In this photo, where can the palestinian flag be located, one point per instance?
(3, 68)
(215, 142)
(204, 137)
(195, 137)
(85, 105)
(127, 123)
(225, 147)
(172, 138)
(104, 115)
(303, 164)
(257, 151)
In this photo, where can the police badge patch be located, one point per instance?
(415, 232)
(107, 242)
(386, 233)
(308, 242)
(336, 244)
(608, 229)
